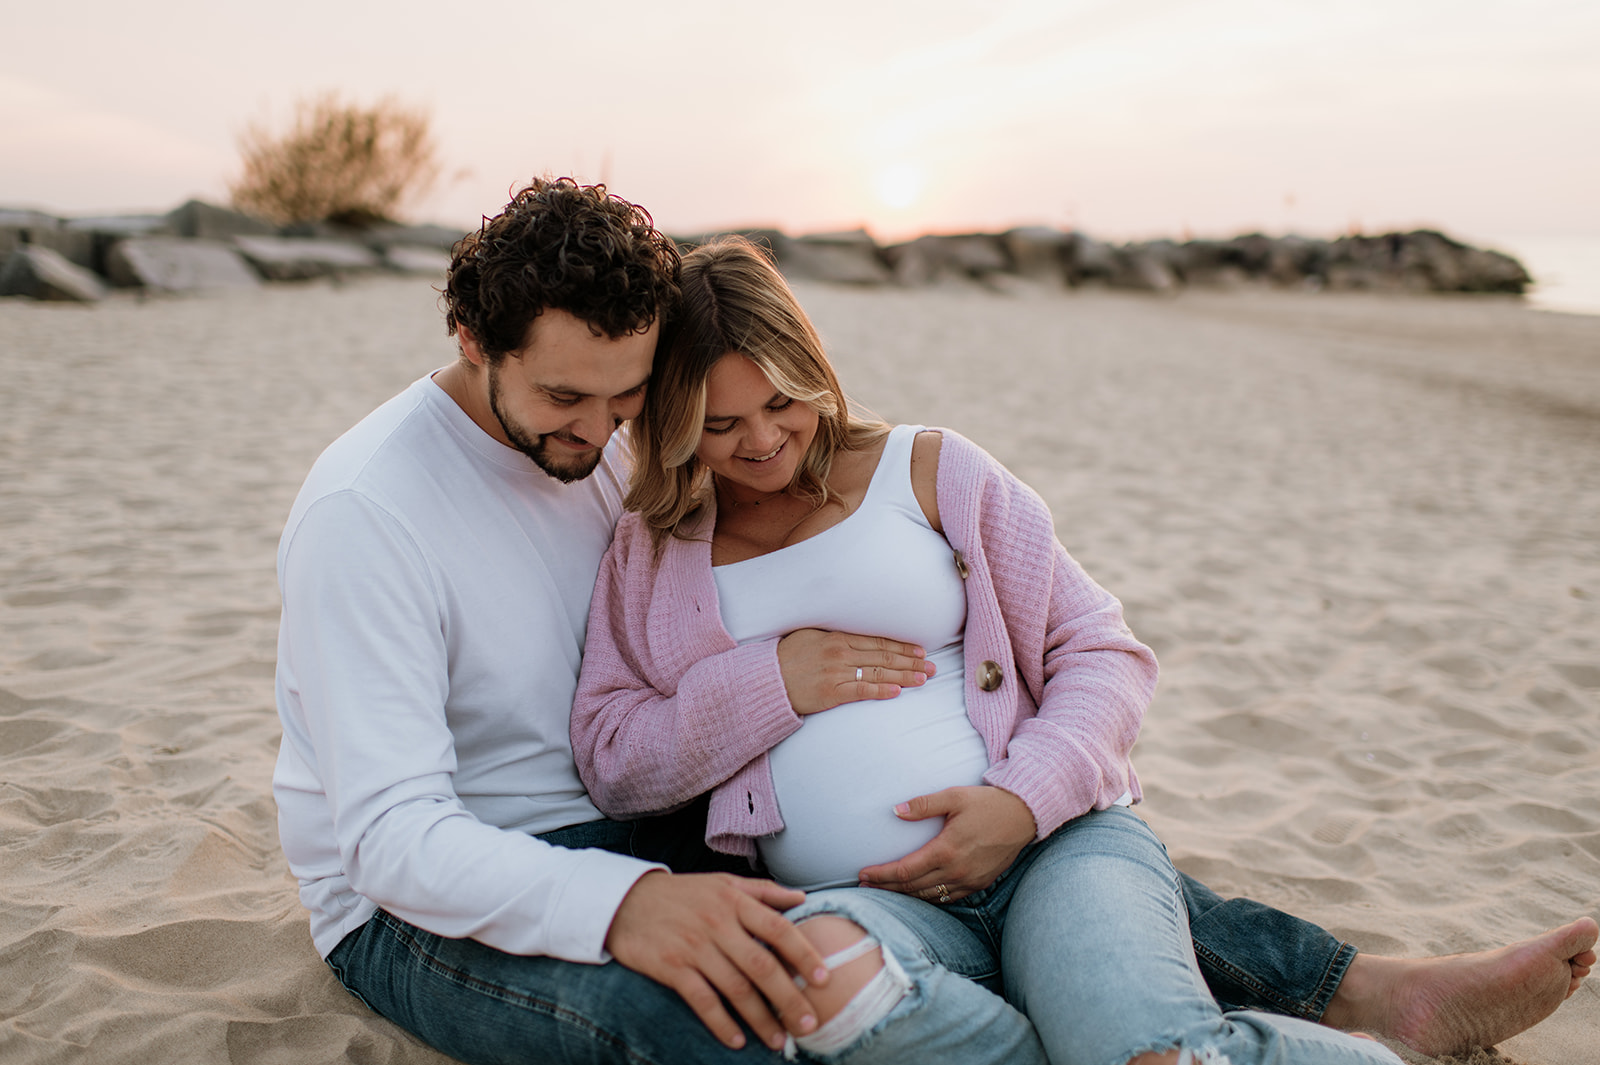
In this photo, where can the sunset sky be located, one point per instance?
(1126, 119)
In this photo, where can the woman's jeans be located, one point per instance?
(1098, 955)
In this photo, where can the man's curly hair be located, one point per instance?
(561, 245)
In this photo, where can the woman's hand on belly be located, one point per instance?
(985, 828)
(822, 669)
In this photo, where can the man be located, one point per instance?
(436, 570)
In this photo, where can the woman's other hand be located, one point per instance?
(822, 669)
(985, 828)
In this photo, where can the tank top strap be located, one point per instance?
(891, 481)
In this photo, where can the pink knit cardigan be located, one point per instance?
(668, 706)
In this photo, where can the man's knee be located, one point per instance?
(864, 985)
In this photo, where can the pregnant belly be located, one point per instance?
(839, 777)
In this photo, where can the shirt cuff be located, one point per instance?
(581, 917)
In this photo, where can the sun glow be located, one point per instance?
(900, 186)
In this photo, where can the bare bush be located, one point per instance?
(340, 162)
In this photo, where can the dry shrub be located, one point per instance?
(340, 162)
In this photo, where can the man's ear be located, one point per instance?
(470, 346)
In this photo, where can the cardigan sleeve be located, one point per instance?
(668, 706)
(1079, 682)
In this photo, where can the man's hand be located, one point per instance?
(713, 936)
(985, 828)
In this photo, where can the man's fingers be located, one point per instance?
(784, 940)
(707, 1005)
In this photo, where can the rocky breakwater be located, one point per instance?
(196, 247)
(1418, 261)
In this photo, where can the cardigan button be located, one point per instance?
(961, 565)
(990, 676)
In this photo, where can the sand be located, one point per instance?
(1363, 534)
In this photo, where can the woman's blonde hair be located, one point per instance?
(734, 301)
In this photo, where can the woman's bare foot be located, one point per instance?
(1451, 1004)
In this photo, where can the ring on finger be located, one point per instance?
(858, 674)
(944, 894)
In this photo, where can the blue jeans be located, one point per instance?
(480, 1005)
(1092, 931)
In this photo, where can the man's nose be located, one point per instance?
(596, 424)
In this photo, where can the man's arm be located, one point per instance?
(368, 669)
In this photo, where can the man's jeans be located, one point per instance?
(481, 1005)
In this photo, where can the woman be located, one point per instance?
(768, 526)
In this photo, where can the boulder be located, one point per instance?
(178, 264)
(1037, 252)
(1251, 258)
(851, 258)
(105, 231)
(45, 274)
(442, 238)
(1087, 261)
(934, 257)
(208, 221)
(1145, 267)
(301, 259)
(416, 259)
(24, 226)
(1427, 258)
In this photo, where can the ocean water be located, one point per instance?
(1565, 269)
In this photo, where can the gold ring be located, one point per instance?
(944, 894)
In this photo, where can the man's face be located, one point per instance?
(559, 398)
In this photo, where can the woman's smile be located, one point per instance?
(754, 435)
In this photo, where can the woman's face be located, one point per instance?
(754, 436)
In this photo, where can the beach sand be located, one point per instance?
(1362, 533)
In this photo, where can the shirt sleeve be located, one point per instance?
(1089, 678)
(649, 736)
(366, 636)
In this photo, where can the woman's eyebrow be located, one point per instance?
(776, 397)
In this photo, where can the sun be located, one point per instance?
(899, 186)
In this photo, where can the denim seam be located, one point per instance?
(1309, 1010)
(503, 994)
(1332, 977)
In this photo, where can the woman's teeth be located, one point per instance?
(767, 457)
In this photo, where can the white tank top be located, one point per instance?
(882, 571)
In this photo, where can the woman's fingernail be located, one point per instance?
(808, 1023)
(903, 808)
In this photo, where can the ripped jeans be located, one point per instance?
(1099, 956)
(1087, 934)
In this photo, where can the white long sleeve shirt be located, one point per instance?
(436, 587)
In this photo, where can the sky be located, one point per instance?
(1123, 118)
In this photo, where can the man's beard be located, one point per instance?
(538, 448)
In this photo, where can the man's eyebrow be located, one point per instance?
(568, 390)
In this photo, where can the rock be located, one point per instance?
(300, 259)
(208, 221)
(415, 259)
(178, 264)
(1251, 258)
(1037, 252)
(28, 227)
(933, 257)
(851, 258)
(105, 231)
(122, 226)
(443, 238)
(1087, 261)
(45, 274)
(1145, 267)
(1426, 258)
